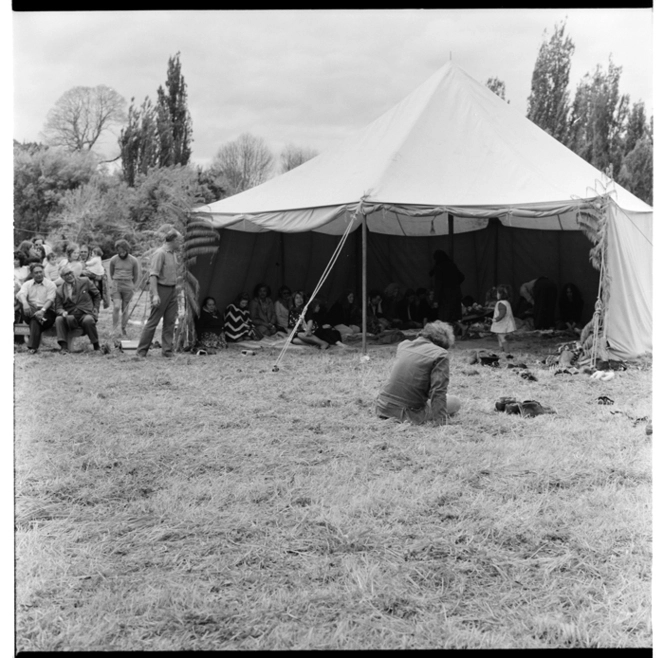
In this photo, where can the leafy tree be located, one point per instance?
(497, 86)
(598, 118)
(81, 115)
(637, 126)
(173, 118)
(97, 212)
(158, 135)
(211, 185)
(243, 163)
(294, 156)
(548, 103)
(42, 176)
(164, 195)
(139, 141)
(636, 172)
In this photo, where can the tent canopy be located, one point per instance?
(451, 149)
(451, 146)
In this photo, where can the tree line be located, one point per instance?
(66, 192)
(598, 123)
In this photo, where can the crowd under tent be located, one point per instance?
(452, 167)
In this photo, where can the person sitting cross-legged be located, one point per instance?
(37, 299)
(77, 302)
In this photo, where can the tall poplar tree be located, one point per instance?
(158, 135)
(173, 118)
(548, 103)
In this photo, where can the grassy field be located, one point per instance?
(206, 502)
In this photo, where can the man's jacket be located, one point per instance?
(85, 298)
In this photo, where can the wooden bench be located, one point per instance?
(22, 329)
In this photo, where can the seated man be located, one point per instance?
(37, 298)
(417, 387)
(407, 310)
(76, 306)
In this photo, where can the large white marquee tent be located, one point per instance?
(451, 165)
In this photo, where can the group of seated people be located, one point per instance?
(84, 261)
(40, 272)
(258, 317)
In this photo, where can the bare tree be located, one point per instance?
(81, 115)
(243, 163)
(294, 156)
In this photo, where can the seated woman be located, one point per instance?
(73, 258)
(376, 320)
(31, 253)
(390, 300)
(261, 311)
(210, 326)
(237, 322)
(314, 333)
(282, 307)
(21, 270)
(345, 315)
(571, 308)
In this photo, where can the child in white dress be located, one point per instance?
(503, 319)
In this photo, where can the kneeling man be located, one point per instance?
(417, 387)
(76, 306)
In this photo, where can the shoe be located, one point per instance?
(31, 351)
(530, 408)
(64, 350)
(501, 403)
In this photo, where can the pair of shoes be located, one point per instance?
(527, 375)
(527, 408)
(501, 403)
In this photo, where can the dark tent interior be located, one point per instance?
(496, 254)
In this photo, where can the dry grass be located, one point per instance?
(205, 503)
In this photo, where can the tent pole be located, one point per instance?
(364, 284)
(450, 230)
(282, 257)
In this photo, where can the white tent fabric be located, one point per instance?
(453, 147)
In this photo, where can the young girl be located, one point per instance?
(503, 320)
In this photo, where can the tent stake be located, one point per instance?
(364, 284)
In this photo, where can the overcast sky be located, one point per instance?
(308, 78)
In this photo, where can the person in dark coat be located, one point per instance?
(545, 293)
(407, 310)
(210, 326)
(447, 286)
(570, 306)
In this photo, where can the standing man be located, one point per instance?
(417, 388)
(37, 299)
(125, 271)
(163, 295)
(77, 302)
